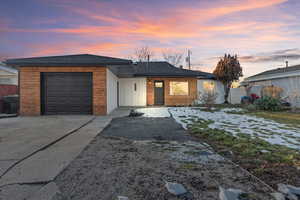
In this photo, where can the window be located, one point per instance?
(209, 86)
(179, 88)
(159, 84)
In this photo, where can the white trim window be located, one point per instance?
(209, 86)
(179, 88)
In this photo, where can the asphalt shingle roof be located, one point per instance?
(156, 69)
(120, 67)
(68, 60)
(277, 71)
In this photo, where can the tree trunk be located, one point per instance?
(226, 90)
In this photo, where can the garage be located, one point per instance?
(66, 93)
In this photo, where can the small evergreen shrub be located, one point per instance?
(268, 103)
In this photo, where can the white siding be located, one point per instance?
(130, 97)
(8, 78)
(290, 86)
(236, 94)
(219, 89)
(112, 91)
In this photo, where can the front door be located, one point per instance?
(159, 97)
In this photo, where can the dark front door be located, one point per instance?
(159, 97)
(66, 93)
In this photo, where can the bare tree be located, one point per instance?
(173, 57)
(142, 54)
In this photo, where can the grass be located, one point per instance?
(257, 155)
(246, 145)
(280, 117)
(189, 166)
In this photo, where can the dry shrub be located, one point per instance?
(208, 98)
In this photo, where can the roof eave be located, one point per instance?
(66, 64)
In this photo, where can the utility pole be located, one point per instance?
(148, 60)
(188, 59)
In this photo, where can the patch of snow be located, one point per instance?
(154, 112)
(123, 198)
(268, 130)
(237, 110)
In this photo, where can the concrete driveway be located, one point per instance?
(25, 139)
(23, 135)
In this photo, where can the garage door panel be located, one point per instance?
(67, 93)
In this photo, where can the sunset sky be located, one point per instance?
(264, 33)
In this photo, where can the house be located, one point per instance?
(286, 80)
(8, 75)
(8, 82)
(91, 84)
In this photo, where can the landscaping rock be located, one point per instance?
(175, 188)
(292, 192)
(229, 194)
(278, 196)
(123, 198)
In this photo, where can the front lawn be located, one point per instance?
(265, 143)
(288, 118)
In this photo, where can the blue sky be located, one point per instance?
(263, 33)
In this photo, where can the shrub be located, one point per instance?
(268, 103)
(208, 98)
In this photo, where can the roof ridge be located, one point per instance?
(68, 55)
(277, 70)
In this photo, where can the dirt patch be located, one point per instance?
(111, 166)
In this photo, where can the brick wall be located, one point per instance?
(6, 90)
(172, 100)
(30, 81)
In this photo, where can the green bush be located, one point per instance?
(268, 103)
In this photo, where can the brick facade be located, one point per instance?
(6, 90)
(171, 100)
(30, 82)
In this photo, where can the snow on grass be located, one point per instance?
(154, 112)
(271, 131)
(236, 110)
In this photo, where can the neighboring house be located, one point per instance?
(8, 82)
(8, 75)
(287, 79)
(90, 84)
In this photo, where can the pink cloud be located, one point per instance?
(179, 27)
